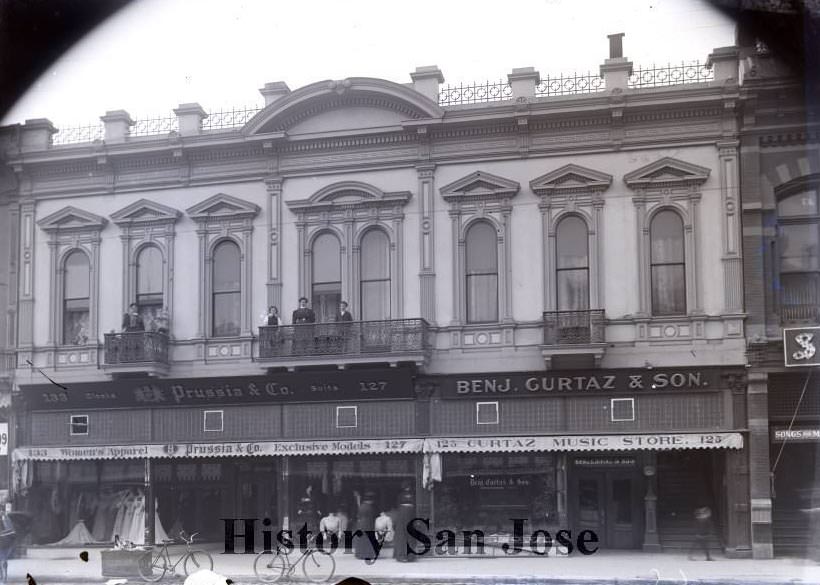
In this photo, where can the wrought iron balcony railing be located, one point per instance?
(792, 313)
(574, 327)
(136, 347)
(351, 338)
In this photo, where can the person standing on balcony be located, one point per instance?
(343, 314)
(273, 319)
(343, 317)
(303, 335)
(303, 314)
(132, 321)
(163, 321)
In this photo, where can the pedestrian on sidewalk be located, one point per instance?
(703, 521)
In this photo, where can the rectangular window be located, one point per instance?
(79, 424)
(482, 298)
(622, 409)
(226, 314)
(668, 289)
(486, 413)
(75, 321)
(347, 417)
(213, 421)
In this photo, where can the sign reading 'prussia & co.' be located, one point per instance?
(285, 387)
(579, 382)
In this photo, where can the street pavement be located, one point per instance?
(53, 566)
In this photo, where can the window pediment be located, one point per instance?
(222, 206)
(667, 172)
(480, 185)
(72, 219)
(349, 195)
(145, 211)
(571, 179)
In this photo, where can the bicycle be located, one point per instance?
(318, 565)
(192, 560)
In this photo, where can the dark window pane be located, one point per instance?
(622, 500)
(226, 314)
(375, 277)
(75, 326)
(589, 501)
(375, 300)
(482, 248)
(668, 289)
(572, 246)
(325, 301)
(77, 276)
(375, 256)
(573, 289)
(800, 247)
(327, 259)
(482, 298)
(149, 271)
(804, 203)
(667, 238)
(226, 268)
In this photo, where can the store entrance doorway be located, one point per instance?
(607, 502)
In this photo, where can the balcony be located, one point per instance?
(574, 337)
(393, 341)
(137, 352)
(800, 313)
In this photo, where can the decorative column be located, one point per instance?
(397, 257)
(692, 231)
(458, 254)
(506, 263)
(596, 293)
(203, 275)
(274, 285)
(427, 242)
(759, 465)
(651, 542)
(643, 265)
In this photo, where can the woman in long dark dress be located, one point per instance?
(405, 515)
(365, 518)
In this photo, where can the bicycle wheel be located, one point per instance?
(269, 566)
(319, 566)
(152, 566)
(196, 560)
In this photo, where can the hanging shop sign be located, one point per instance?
(604, 461)
(655, 442)
(184, 450)
(285, 387)
(4, 439)
(578, 382)
(801, 347)
(798, 435)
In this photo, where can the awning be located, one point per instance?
(655, 442)
(184, 450)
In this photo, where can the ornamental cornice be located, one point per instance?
(72, 219)
(571, 179)
(348, 195)
(479, 185)
(667, 172)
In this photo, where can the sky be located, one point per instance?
(156, 54)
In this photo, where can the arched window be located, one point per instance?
(326, 277)
(799, 243)
(374, 274)
(667, 264)
(149, 283)
(481, 245)
(572, 264)
(76, 298)
(226, 289)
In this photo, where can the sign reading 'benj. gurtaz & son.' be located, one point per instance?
(284, 387)
(580, 382)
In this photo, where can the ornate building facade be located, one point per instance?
(546, 285)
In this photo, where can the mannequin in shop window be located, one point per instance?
(404, 516)
(384, 527)
(330, 525)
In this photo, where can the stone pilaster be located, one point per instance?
(759, 465)
(274, 284)
(25, 290)
(427, 242)
(732, 260)
(651, 541)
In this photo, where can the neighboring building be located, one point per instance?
(545, 281)
(780, 182)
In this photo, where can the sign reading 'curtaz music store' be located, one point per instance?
(579, 382)
(285, 387)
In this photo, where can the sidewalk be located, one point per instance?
(52, 566)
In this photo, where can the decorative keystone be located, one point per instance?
(274, 91)
(117, 125)
(190, 118)
(426, 81)
(523, 81)
(724, 60)
(36, 134)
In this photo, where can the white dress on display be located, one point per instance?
(79, 535)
